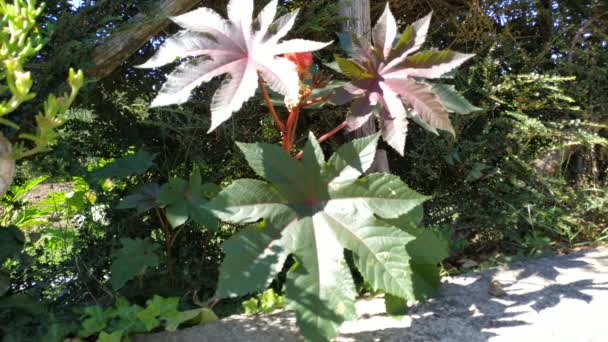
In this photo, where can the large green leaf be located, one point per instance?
(143, 199)
(313, 210)
(427, 250)
(132, 164)
(135, 256)
(254, 256)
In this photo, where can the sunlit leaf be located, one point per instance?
(395, 67)
(219, 46)
(313, 210)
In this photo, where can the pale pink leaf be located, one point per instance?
(281, 76)
(361, 113)
(423, 101)
(188, 76)
(266, 17)
(283, 25)
(206, 20)
(240, 13)
(434, 68)
(384, 31)
(299, 45)
(394, 132)
(420, 29)
(346, 94)
(233, 92)
(182, 44)
(234, 49)
(392, 102)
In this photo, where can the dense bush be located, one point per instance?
(532, 166)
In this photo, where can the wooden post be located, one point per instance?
(359, 23)
(114, 50)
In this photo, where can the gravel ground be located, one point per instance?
(561, 298)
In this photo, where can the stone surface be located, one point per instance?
(561, 298)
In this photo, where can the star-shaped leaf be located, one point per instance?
(313, 210)
(143, 199)
(235, 47)
(132, 259)
(394, 87)
(185, 199)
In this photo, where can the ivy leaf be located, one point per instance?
(116, 336)
(313, 210)
(132, 164)
(233, 47)
(165, 310)
(143, 199)
(132, 259)
(394, 88)
(185, 199)
(95, 322)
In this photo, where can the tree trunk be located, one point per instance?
(359, 23)
(121, 45)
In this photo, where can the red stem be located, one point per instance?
(326, 136)
(319, 99)
(168, 245)
(273, 112)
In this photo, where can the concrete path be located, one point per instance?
(561, 298)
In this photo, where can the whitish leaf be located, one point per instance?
(384, 32)
(413, 37)
(431, 64)
(182, 44)
(131, 260)
(313, 211)
(232, 47)
(393, 87)
(424, 102)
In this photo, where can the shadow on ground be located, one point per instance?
(559, 299)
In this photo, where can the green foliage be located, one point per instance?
(524, 175)
(186, 199)
(265, 302)
(132, 259)
(118, 322)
